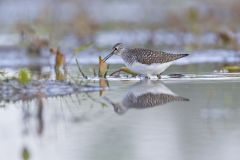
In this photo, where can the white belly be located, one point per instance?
(149, 69)
(148, 86)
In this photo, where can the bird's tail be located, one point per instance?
(184, 55)
(179, 98)
(177, 56)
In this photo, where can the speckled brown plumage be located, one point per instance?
(147, 56)
(150, 100)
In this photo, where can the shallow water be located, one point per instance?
(191, 113)
(133, 119)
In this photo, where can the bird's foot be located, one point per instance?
(143, 76)
(176, 75)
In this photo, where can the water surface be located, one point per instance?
(179, 120)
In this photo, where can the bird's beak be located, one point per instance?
(108, 56)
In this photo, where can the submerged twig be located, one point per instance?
(94, 72)
(80, 70)
(95, 100)
(124, 69)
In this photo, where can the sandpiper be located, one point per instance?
(145, 94)
(144, 61)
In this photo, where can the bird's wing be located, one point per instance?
(147, 56)
(150, 100)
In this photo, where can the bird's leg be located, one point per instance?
(147, 77)
(144, 76)
(159, 76)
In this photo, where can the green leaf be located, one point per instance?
(232, 68)
(25, 154)
(24, 76)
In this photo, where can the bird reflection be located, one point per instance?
(145, 94)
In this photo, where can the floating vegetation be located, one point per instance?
(60, 64)
(59, 57)
(60, 76)
(25, 154)
(231, 68)
(12, 90)
(24, 76)
(103, 68)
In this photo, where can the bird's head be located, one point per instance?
(118, 107)
(116, 50)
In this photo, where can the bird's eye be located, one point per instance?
(115, 48)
